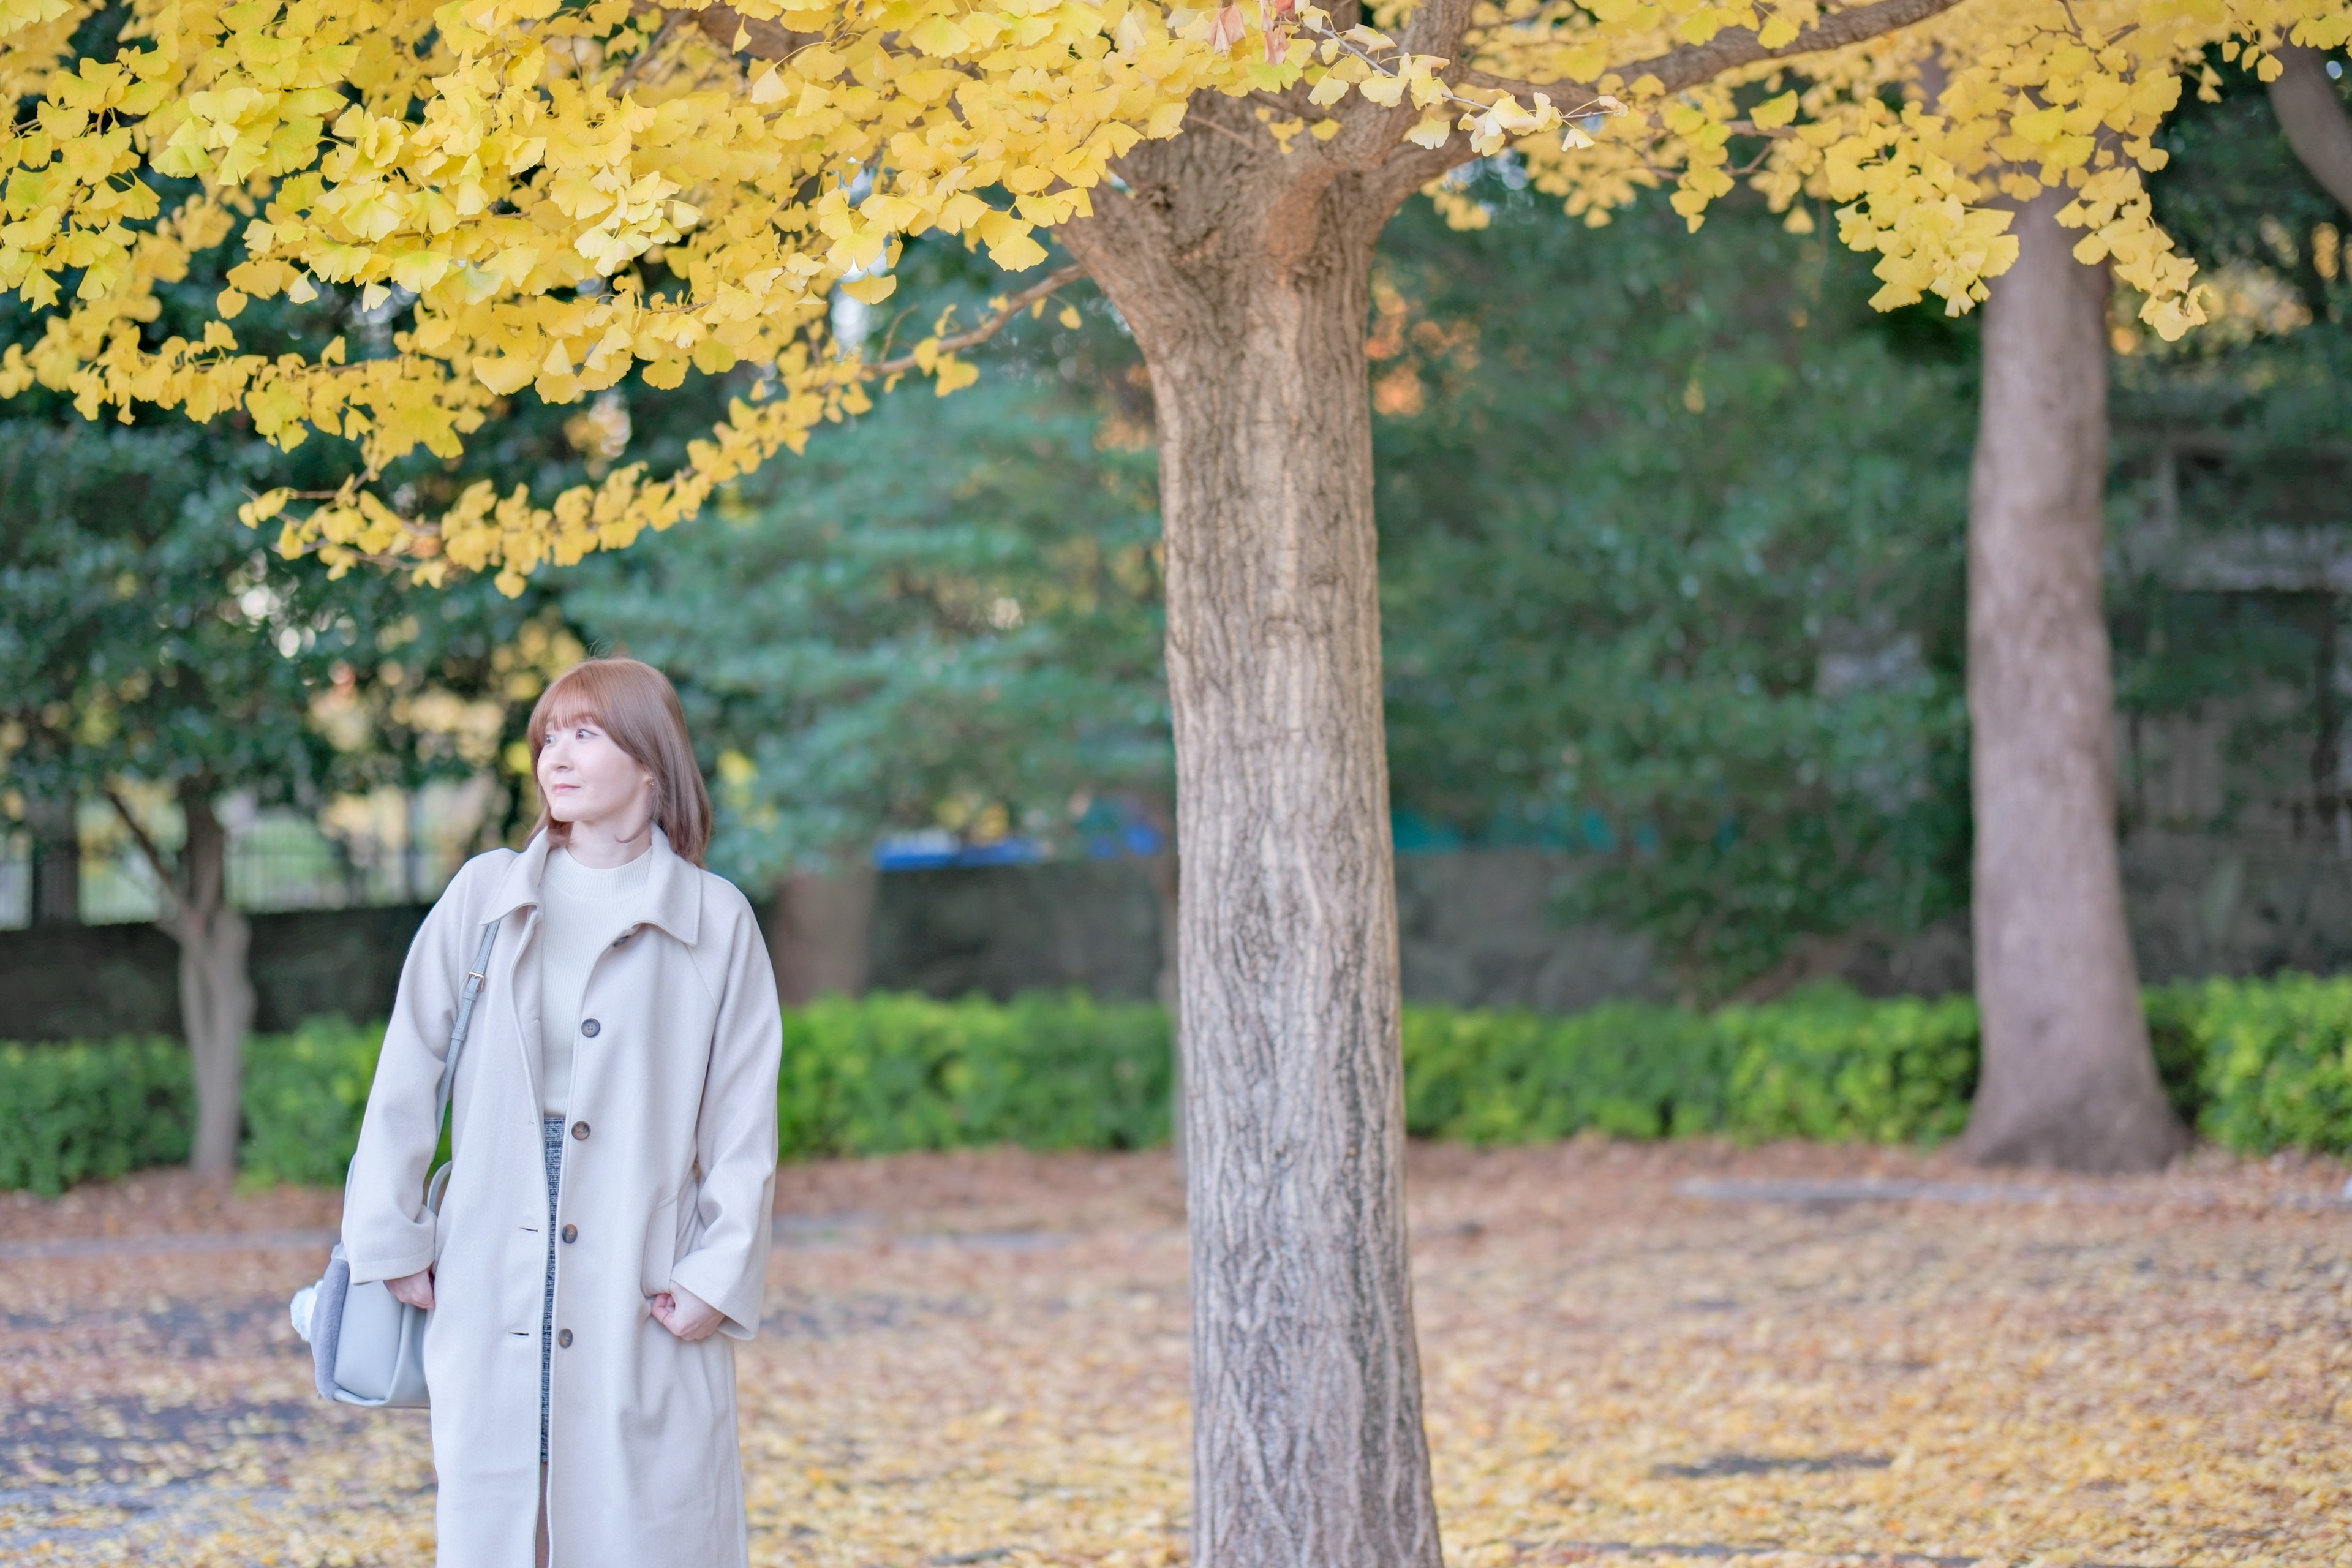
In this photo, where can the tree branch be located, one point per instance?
(1052, 283)
(1413, 167)
(1733, 48)
(635, 70)
(2310, 113)
(165, 871)
(763, 40)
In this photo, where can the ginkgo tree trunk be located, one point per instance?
(1247, 286)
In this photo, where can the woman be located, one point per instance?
(604, 1238)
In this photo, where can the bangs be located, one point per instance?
(586, 692)
(564, 704)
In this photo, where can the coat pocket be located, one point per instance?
(660, 1251)
(436, 1205)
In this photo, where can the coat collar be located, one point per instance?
(672, 899)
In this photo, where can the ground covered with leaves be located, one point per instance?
(1633, 1353)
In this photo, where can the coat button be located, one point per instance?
(580, 1130)
(571, 1232)
(564, 1338)
(589, 1026)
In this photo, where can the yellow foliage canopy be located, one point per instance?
(563, 192)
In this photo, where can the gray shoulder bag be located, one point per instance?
(366, 1346)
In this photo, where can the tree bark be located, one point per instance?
(821, 933)
(217, 999)
(57, 860)
(2311, 112)
(1245, 279)
(2068, 1078)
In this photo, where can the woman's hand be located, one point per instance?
(685, 1314)
(413, 1289)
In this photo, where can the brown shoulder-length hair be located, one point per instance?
(635, 705)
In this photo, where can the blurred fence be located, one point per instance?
(392, 846)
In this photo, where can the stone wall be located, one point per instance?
(1475, 930)
(1473, 926)
(2198, 905)
(1002, 930)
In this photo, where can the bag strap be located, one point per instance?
(466, 999)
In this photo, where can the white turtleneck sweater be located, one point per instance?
(582, 911)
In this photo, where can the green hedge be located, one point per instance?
(2272, 1058)
(304, 1093)
(2255, 1064)
(1523, 1077)
(1835, 1067)
(888, 1073)
(79, 1112)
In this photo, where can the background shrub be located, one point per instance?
(2172, 1015)
(1622, 1068)
(304, 1093)
(83, 1112)
(1828, 1064)
(885, 1073)
(2277, 1059)
(2257, 1065)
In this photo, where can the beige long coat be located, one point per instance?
(669, 1176)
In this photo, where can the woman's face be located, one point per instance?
(585, 778)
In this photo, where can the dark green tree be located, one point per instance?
(150, 637)
(1671, 570)
(2231, 460)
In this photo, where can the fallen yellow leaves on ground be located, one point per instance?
(980, 1358)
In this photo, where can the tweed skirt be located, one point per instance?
(550, 1137)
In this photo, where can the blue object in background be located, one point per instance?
(1008, 851)
(936, 848)
(1114, 829)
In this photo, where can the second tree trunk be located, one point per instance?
(2068, 1080)
(821, 933)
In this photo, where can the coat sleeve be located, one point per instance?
(735, 1137)
(387, 1231)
